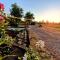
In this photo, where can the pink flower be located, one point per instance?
(1, 6)
(1, 18)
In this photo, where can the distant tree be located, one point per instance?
(29, 17)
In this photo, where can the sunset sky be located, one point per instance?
(42, 9)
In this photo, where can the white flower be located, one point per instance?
(40, 44)
(25, 57)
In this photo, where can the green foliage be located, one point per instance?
(3, 27)
(4, 38)
(19, 58)
(7, 40)
(16, 11)
(28, 17)
(32, 54)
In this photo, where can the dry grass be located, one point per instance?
(52, 26)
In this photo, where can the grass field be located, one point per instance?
(55, 26)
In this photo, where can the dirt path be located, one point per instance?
(51, 38)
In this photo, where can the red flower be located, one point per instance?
(1, 6)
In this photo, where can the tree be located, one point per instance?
(29, 17)
(17, 12)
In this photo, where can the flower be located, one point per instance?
(40, 44)
(1, 6)
(1, 17)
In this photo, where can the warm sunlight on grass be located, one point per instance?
(57, 28)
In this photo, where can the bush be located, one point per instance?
(31, 54)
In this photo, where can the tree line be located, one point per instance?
(17, 11)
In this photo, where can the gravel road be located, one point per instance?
(51, 38)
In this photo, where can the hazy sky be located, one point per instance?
(42, 9)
